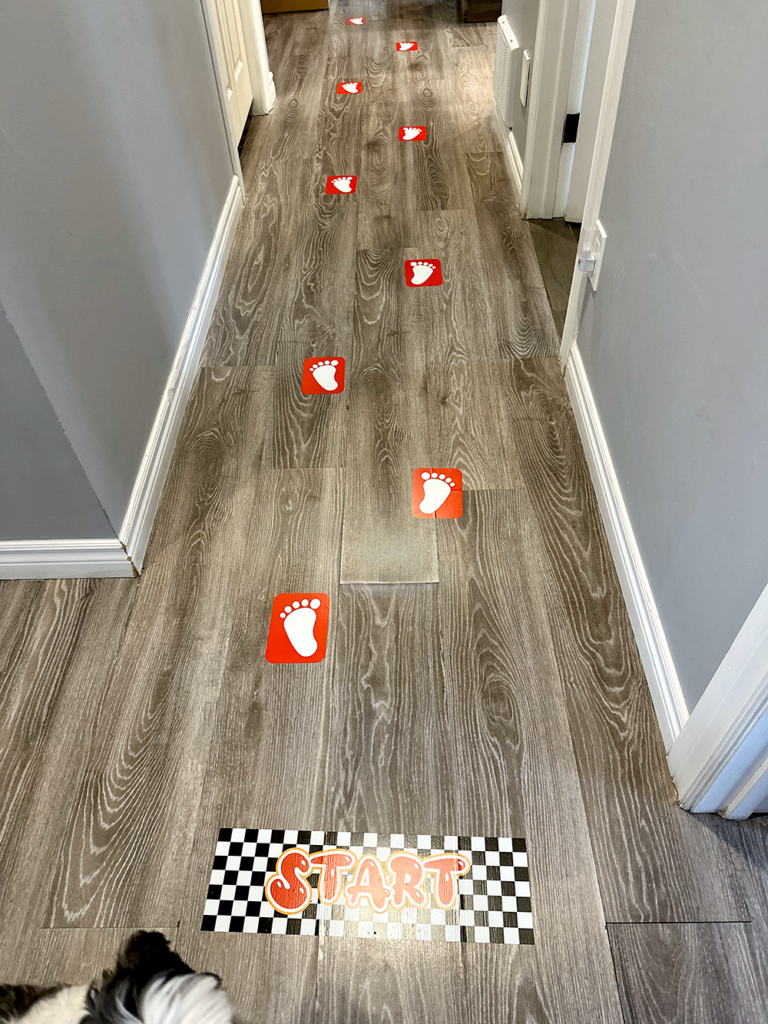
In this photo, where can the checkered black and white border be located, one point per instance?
(494, 896)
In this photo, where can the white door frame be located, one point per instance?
(258, 67)
(221, 87)
(556, 36)
(718, 755)
(720, 759)
(606, 122)
(258, 60)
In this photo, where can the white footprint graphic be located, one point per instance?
(436, 490)
(350, 86)
(324, 373)
(421, 272)
(357, 21)
(299, 621)
(411, 133)
(404, 46)
(342, 184)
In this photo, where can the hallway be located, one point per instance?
(480, 677)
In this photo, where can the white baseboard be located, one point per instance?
(663, 682)
(512, 153)
(63, 559)
(67, 559)
(145, 498)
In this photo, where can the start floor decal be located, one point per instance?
(370, 885)
(437, 494)
(298, 629)
(323, 376)
(355, 21)
(421, 273)
(402, 47)
(413, 133)
(352, 88)
(341, 184)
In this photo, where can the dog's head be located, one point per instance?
(149, 985)
(152, 985)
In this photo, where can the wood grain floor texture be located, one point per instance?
(481, 675)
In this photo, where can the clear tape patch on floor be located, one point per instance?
(370, 885)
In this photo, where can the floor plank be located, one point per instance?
(521, 311)
(389, 731)
(556, 245)
(71, 956)
(309, 431)
(516, 768)
(456, 316)
(748, 843)
(408, 982)
(685, 973)
(389, 769)
(131, 816)
(52, 688)
(389, 437)
(266, 766)
(467, 404)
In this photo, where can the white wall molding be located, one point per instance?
(720, 759)
(663, 682)
(63, 559)
(68, 559)
(145, 498)
(511, 152)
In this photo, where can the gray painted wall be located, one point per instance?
(674, 341)
(522, 16)
(43, 489)
(115, 171)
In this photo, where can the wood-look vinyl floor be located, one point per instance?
(481, 675)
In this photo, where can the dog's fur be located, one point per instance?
(150, 985)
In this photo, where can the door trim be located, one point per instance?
(606, 123)
(720, 759)
(221, 88)
(556, 29)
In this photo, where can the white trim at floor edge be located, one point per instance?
(512, 153)
(667, 696)
(63, 559)
(145, 498)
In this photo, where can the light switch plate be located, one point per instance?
(598, 250)
(525, 75)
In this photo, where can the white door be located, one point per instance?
(599, 43)
(229, 29)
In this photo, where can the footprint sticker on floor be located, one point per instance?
(341, 184)
(421, 273)
(298, 629)
(437, 494)
(323, 376)
(402, 47)
(355, 21)
(414, 133)
(352, 88)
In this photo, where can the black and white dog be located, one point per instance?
(150, 985)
